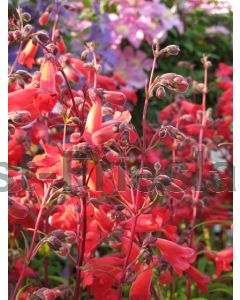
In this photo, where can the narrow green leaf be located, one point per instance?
(58, 279)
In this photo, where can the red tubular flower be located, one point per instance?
(61, 45)
(200, 279)
(71, 74)
(18, 266)
(104, 222)
(79, 66)
(165, 277)
(140, 289)
(104, 134)
(47, 93)
(94, 118)
(179, 257)
(135, 251)
(223, 260)
(27, 55)
(102, 274)
(24, 100)
(115, 98)
(17, 210)
(37, 100)
(43, 20)
(224, 70)
(16, 149)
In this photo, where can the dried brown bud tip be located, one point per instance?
(26, 17)
(27, 29)
(26, 76)
(43, 36)
(44, 294)
(20, 117)
(69, 6)
(169, 51)
(173, 82)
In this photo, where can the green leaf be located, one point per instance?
(25, 242)
(213, 221)
(58, 279)
(226, 290)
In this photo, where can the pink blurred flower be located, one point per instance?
(130, 67)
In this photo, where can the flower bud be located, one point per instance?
(27, 29)
(43, 20)
(169, 51)
(113, 157)
(44, 294)
(52, 48)
(61, 199)
(173, 82)
(10, 37)
(84, 54)
(17, 35)
(26, 76)
(75, 137)
(175, 133)
(20, 117)
(199, 87)
(185, 64)
(115, 98)
(61, 45)
(160, 92)
(54, 243)
(70, 236)
(26, 17)
(43, 36)
(58, 233)
(16, 209)
(63, 251)
(69, 6)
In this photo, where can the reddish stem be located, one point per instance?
(16, 59)
(31, 249)
(144, 118)
(82, 241)
(200, 147)
(55, 22)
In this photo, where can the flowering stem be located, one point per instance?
(82, 241)
(144, 117)
(31, 249)
(16, 59)
(55, 21)
(70, 92)
(200, 145)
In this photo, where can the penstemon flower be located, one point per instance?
(127, 212)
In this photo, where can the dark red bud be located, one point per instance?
(17, 35)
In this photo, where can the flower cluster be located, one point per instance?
(116, 212)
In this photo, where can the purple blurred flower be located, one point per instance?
(210, 6)
(130, 67)
(218, 29)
